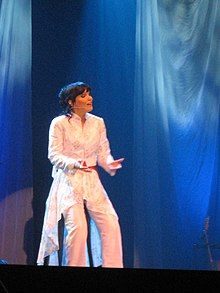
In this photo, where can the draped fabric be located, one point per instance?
(15, 127)
(176, 133)
(159, 94)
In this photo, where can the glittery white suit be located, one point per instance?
(69, 142)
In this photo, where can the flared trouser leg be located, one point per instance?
(110, 232)
(77, 230)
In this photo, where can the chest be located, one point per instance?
(77, 136)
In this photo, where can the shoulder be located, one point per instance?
(94, 118)
(97, 122)
(59, 120)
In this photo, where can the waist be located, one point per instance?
(93, 168)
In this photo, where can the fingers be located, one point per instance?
(115, 167)
(118, 160)
(116, 164)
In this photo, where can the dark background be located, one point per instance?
(70, 44)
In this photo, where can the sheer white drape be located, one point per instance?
(176, 129)
(15, 129)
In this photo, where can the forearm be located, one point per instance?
(65, 163)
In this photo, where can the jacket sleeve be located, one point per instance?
(104, 151)
(55, 150)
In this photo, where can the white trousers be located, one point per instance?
(77, 231)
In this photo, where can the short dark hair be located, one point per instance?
(70, 92)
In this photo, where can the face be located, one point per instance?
(83, 103)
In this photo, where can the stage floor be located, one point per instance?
(24, 278)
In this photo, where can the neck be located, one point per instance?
(81, 114)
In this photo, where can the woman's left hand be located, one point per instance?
(116, 164)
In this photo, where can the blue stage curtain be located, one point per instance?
(176, 131)
(15, 126)
(93, 41)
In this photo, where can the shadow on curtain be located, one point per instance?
(176, 132)
(15, 125)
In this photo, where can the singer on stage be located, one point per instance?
(77, 144)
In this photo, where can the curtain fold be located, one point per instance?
(15, 125)
(176, 130)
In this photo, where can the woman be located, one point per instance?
(77, 143)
